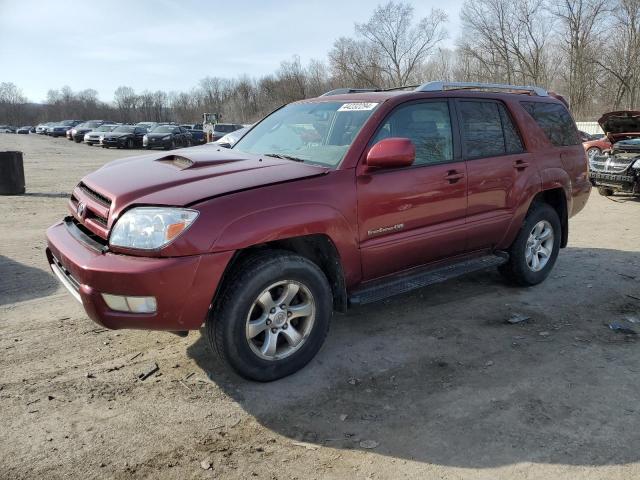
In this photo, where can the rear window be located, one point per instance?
(224, 128)
(487, 130)
(555, 122)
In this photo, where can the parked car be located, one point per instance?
(78, 132)
(168, 137)
(123, 136)
(7, 129)
(25, 130)
(221, 129)
(230, 139)
(93, 137)
(197, 133)
(41, 128)
(595, 146)
(60, 129)
(618, 168)
(341, 200)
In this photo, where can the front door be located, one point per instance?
(415, 215)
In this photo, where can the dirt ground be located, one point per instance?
(435, 381)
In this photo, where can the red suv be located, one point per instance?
(339, 200)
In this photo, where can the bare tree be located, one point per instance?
(12, 103)
(620, 58)
(582, 23)
(401, 46)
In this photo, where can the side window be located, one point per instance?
(512, 140)
(427, 125)
(481, 126)
(555, 122)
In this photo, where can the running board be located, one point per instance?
(403, 283)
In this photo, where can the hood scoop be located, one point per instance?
(182, 163)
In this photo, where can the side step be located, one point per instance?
(389, 287)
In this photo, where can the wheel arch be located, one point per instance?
(557, 199)
(318, 248)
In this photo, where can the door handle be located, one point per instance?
(453, 176)
(520, 164)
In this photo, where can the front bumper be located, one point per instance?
(156, 143)
(618, 181)
(183, 286)
(112, 142)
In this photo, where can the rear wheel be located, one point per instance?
(535, 249)
(130, 143)
(272, 315)
(605, 191)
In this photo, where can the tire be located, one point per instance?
(592, 152)
(606, 191)
(518, 270)
(238, 303)
(130, 143)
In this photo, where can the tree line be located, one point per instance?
(587, 50)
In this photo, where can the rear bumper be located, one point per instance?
(183, 286)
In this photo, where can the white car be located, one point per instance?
(93, 137)
(6, 129)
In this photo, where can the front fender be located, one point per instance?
(294, 220)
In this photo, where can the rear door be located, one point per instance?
(496, 164)
(415, 215)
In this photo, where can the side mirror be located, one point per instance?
(392, 153)
(224, 145)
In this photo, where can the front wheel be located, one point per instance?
(535, 249)
(272, 315)
(593, 152)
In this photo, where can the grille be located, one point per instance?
(610, 164)
(95, 195)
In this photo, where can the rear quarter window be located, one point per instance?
(555, 121)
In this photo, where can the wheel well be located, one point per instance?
(317, 248)
(556, 198)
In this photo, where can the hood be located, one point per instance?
(158, 135)
(116, 134)
(183, 177)
(620, 125)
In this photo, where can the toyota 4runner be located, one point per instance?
(335, 201)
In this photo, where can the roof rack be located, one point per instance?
(341, 91)
(441, 86)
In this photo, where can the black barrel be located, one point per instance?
(11, 173)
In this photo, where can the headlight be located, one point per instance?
(101, 137)
(150, 228)
(636, 164)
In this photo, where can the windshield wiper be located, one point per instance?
(283, 156)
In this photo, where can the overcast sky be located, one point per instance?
(169, 45)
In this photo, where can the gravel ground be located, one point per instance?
(432, 384)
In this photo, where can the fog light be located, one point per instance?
(121, 303)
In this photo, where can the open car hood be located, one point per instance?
(620, 125)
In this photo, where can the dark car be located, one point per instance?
(26, 130)
(123, 136)
(78, 132)
(7, 129)
(345, 199)
(221, 129)
(618, 169)
(167, 136)
(60, 129)
(147, 125)
(197, 133)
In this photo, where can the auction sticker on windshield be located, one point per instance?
(356, 107)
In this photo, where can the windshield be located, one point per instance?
(124, 129)
(90, 124)
(105, 128)
(223, 128)
(163, 129)
(319, 133)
